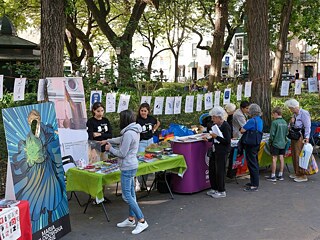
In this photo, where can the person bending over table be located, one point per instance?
(221, 148)
(98, 127)
(149, 125)
(254, 123)
(128, 164)
(300, 120)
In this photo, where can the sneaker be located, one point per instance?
(140, 227)
(211, 192)
(251, 189)
(219, 195)
(292, 176)
(280, 178)
(301, 179)
(271, 179)
(126, 223)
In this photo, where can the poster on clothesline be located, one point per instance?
(95, 96)
(239, 92)
(217, 98)
(123, 103)
(285, 88)
(297, 87)
(312, 85)
(1, 87)
(36, 167)
(247, 89)
(146, 99)
(208, 102)
(199, 102)
(67, 93)
(158, 105)
(188, 108)
(226, 96)
(169, 107)
(40, 92)
(19, 88)
(111, 102)
(177, 105)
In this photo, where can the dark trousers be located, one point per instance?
(231, 173)
(217, 171)
(253, 164)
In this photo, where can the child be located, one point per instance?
(277, 141)
(128, 164)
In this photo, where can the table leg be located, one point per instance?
(165, 179)
(87, 204)
(105, 211)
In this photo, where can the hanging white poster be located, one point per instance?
(312, 85)
(1, 87)
(169, 105)
(177, 105)
(247, 89)
(285, 88)
(123, 103)
(239, 92)
(208, 101)
(95, 96)
(217, 98)
(40, 93)
(19, 88)
(111, 102)
(297, 87)
(158, 105)
(146, 99)
(188, 108)
(226, 96)
(199, 102)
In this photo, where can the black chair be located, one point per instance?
(68, 162)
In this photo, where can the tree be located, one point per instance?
(259, 55)
(52, 38)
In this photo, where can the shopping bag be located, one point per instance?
(305, 155)
(312, 167)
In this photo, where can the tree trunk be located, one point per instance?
(53, 20)
(216, 53)
(281, 45)
(258, 37)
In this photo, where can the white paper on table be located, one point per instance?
(216, 130)
(312, 85)
(239, 92)
(247, 89)
(146, 99)
(158, 105)
(285, 88)
(226, 96)
(199, 102)
(217, 98)
(297, 87)
(208, 101)
(19, 88)
(95, 96)
(169, 105)
(1, 86)
(40, 92)
(110, 102)
(123, 103)
(188, 108)
(177, 105)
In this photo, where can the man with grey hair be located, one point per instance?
(300, 121)
(240, 118)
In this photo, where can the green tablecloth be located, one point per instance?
(92, 183)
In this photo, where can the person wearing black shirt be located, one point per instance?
(149, 125)
(98, 127)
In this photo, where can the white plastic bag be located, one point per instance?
(305, 155)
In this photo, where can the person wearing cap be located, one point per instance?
(300, 120)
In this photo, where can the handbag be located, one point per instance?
(252, 137)
(294, 133)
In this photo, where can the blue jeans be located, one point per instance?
(128, 193)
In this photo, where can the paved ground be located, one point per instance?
(281, 210)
